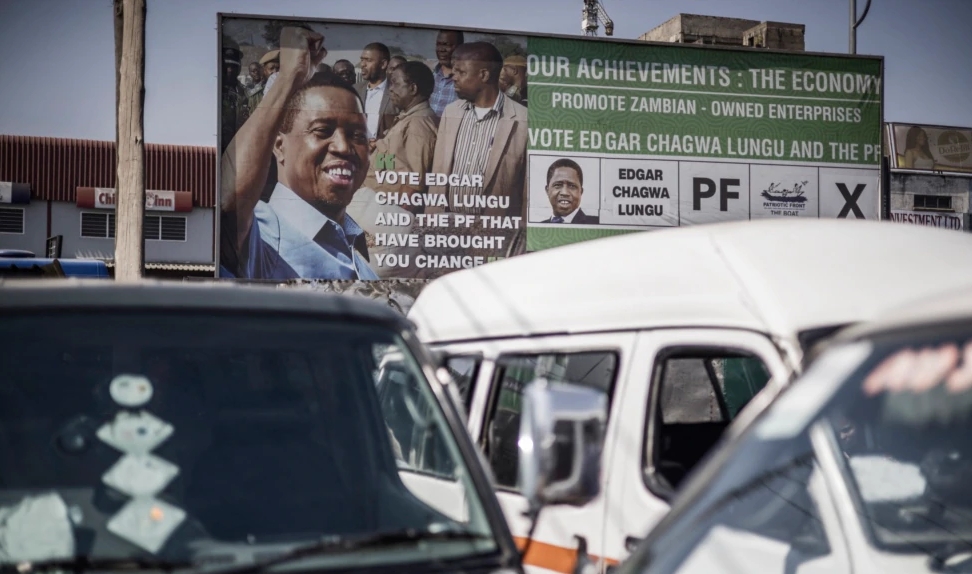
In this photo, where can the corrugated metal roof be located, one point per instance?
(56, 167)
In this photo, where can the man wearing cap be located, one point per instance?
(513, 80)
(271, 64)
(255, 91)
(236, 107)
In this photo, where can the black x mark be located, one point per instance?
(850, 200)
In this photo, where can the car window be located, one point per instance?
(772, 519)
(596, 369)
(416, 444)
(247, 430)
(464, 369)
(699, 392)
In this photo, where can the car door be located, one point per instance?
(596, 360)
(687, 385)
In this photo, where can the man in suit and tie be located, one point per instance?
(373, 89)
(565, 186)
(483, 134)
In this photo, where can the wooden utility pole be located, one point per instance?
(130, 144)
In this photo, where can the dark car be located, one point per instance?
(233, 428)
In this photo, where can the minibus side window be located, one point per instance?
(697, 393)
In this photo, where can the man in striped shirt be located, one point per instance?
(482, 138)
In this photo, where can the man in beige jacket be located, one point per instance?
(411, 140)
(481, 134)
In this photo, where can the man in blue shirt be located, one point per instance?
(445, 87)
(312, 126)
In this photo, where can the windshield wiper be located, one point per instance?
(341, 544)
(86, 563)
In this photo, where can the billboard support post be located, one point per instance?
(853, 27)
(129, 212)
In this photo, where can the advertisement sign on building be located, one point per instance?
(369, 151)
(931, 148)
(930, 218)
(155, 200)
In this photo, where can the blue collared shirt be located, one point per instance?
(444, 92)
(290, 239)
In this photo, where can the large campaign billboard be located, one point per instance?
(358, 150)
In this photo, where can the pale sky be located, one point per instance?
(57, 68)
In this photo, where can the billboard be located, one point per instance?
(931, 148)
(358, 150)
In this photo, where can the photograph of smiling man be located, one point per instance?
(565, 186)
(311, 126)
(344, 170)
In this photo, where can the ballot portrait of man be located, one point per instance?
(565, 186)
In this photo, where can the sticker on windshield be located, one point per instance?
(37, 528)
(141, 475)
(131, 390)
(882, 479)
(147, 523)
(135, 433)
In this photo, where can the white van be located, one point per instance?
(680, 328)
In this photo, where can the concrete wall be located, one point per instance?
(904, 187)
(689, 28)
(776, 36)
(34, 237)
(696, 29)
(197, 248)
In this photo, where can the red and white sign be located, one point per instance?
(929, 218)
(104, 198)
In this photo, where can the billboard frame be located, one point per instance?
(894, 148)
(220, 16)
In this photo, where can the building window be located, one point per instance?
(97, 225)
(12, 220)
(933, 202)
(165, 228)
(157, 228)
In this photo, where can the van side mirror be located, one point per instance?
(560, 442)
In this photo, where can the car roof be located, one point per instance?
(781, 276)
(954, 306)
(77, 293)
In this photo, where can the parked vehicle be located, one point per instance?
(20, 263)
(165, 426)
(680, 329)
(863, 465)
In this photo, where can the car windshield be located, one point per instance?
(897, 410)
(222, 439)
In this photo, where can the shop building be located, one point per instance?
(52, 187)
(931, 175)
